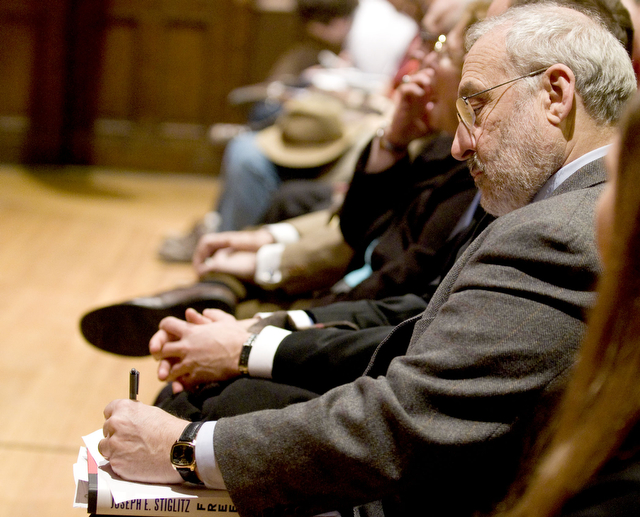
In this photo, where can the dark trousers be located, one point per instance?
(243, 395)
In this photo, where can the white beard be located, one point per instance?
(524, 160)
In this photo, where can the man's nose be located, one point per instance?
(464, 144)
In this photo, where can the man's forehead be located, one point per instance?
(482, 64)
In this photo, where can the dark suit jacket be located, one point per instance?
(441, 431)
(304, 358)
(411, 209)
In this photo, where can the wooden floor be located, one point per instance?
(70, 240)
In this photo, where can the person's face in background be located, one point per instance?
(335, 32)
(606, 202)
(498, 7)
(413, 8)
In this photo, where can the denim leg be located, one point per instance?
(250, 179)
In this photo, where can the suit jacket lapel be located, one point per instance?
(593, 173)
(590, 175)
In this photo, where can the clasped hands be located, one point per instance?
(201, 349)
(233, 253)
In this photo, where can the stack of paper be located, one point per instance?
(101, 491)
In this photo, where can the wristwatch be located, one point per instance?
(183, 453)
(389, 146)
(243, 363)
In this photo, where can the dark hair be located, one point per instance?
(324, 11)
(612, 13)
(602, 402)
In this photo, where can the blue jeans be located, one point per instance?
(250, 180)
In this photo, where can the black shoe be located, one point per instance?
(126, 328)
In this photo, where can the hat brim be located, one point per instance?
(298, 156)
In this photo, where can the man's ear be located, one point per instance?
(559, 84)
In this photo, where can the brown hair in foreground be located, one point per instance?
(602, 401)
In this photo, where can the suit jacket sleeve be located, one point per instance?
(447, 418)
(304, 357)
(310, 222)
(318, 260)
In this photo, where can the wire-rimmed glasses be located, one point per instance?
(466, 113)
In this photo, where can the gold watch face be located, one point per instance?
(183, 455)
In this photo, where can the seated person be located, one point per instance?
(250, 177)
(589, 463)
(492, 347)
(397, 217)
(253, 176)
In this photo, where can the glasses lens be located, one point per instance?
(465, 113)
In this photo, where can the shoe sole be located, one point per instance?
(125, 329)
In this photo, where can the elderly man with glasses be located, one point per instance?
(441, 429)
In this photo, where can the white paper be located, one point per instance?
(122, 490)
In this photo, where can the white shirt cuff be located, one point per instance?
(301, 319)
(208, 470)
(268, 260)
(264, 351)
(284, 233)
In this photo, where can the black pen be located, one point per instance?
(134, 380)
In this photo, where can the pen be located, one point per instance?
(134, 380)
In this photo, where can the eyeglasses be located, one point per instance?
(466, 113)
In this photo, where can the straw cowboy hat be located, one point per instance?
(311, 131)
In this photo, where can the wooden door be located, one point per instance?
(129, 83)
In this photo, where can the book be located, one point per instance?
(102, 492)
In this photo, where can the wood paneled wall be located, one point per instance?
(130, 83)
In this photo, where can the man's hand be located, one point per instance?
(241, 264)
(138, 440)
(211, 315)
(411, 116)
(210, 243)
(198, 351)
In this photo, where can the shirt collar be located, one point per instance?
(565, 172)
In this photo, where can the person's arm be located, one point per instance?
(414, 252)
(410, 121)
(320, 355)
(131, 427)
(447, 417)
(249, 255)
(370, 313)
(390, 193)
(316, 261)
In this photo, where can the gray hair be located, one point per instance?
(541, 35)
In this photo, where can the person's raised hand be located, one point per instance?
(411, 116)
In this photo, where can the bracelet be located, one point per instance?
(243, 363)
(389, 146)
